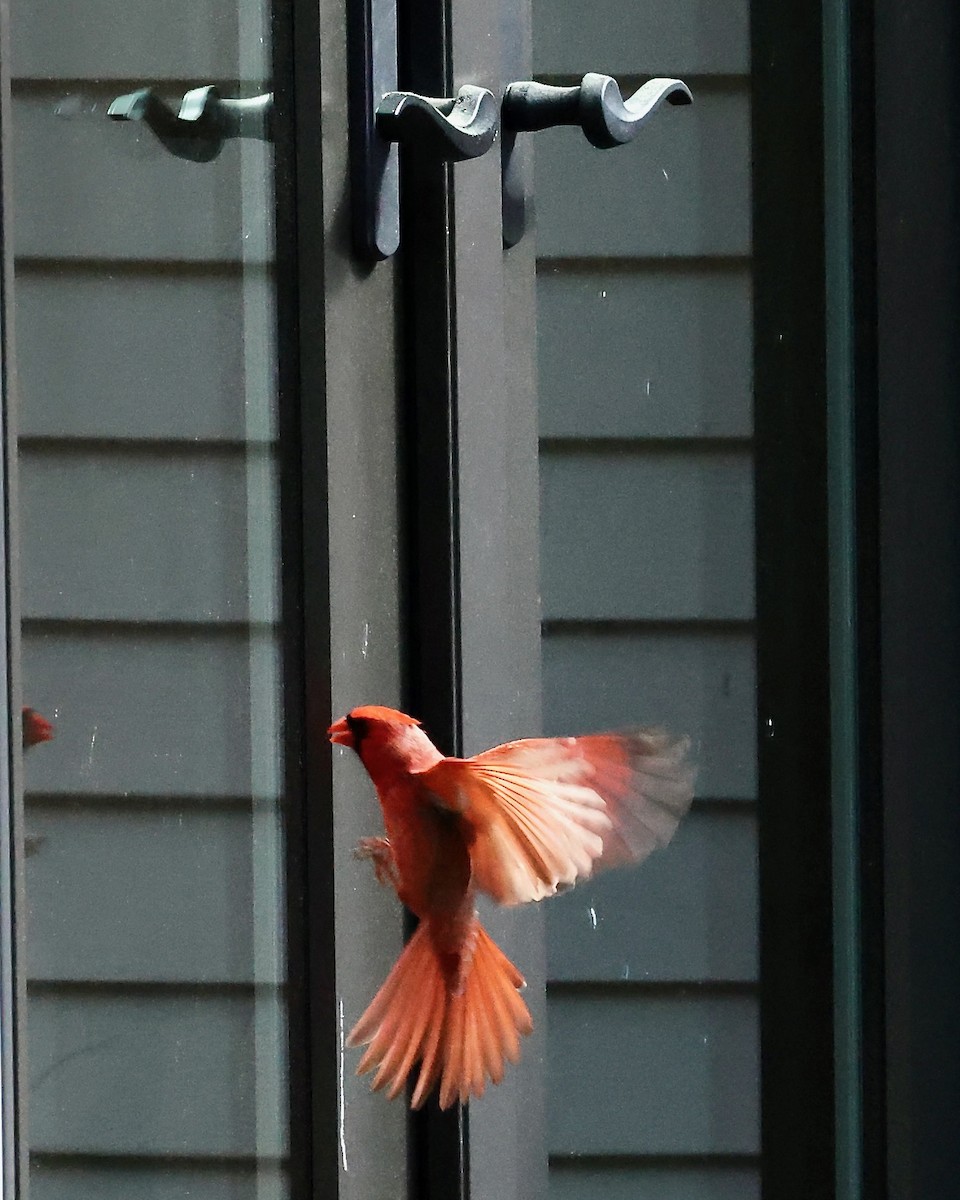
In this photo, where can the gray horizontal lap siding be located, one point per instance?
(160, 710)
(645, 347)
(183, 41)
(89, 188)
(574, 1179)
(115, 891)
(144, 1071)
(678, 192)
(57, 1177)
(148, 499)
(687, 37)
(667, 530)
(696, 678)
(645, 378)
(144, 340)
(688, 918)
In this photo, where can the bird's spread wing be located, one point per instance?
(546, 812)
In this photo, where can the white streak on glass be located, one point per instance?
(343, 1103)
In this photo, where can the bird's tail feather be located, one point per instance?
(461, 1034)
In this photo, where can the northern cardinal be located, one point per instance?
(519, 822)
(35, 728)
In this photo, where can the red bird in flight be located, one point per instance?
(519, 822)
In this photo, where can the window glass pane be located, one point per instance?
(645, 349)
(149, 571)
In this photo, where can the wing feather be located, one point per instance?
(544, 812)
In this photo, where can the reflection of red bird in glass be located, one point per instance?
(35, 728)
(519, 822)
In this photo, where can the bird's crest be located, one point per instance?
(378, 712)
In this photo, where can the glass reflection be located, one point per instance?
(149, 571)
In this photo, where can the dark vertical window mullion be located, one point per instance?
(917, 144)
(429, 390)
(311, 953)
(869, 849)
(793, 617)
(439, 1140)
(844, 596)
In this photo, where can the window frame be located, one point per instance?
(435, 489)
(917, 568)
(13, 1163)
(858, 497)
(793, 612)
(850, 319)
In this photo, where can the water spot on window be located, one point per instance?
(88, 766)
(68, 106)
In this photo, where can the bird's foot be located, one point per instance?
(379, 851)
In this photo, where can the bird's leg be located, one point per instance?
(379, 851)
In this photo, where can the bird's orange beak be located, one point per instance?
(339, 733)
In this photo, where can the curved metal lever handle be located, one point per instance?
(204, 123)
(451, 130)
(596, 106)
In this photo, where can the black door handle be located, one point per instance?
(452, 130)
(595, 104)
(446, 130)
(383, 118)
